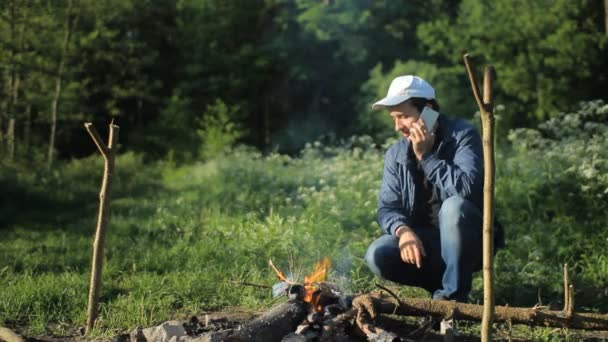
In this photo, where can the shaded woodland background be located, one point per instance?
(246, 135)
(182, 77)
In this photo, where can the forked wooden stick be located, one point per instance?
(487, 121)
(109, 154)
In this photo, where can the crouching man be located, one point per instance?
(430, 202)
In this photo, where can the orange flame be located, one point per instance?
(318, 274)
(311, 281)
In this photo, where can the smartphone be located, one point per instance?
(430, 116)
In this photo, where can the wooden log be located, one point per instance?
(274, 324)
(471, 312)
(334, 328)
(373, 332)
(8, 335)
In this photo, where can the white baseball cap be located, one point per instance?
(403, 88)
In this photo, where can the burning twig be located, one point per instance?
(279, 274)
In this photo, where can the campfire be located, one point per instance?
(317, 310)
(326, 303)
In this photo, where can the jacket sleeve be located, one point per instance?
(391, 213)
(463, 176)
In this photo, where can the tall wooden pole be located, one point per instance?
(487, 122)
(109, 153)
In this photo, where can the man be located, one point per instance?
(429, 206)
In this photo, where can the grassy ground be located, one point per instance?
(180, 235)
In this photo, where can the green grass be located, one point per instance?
(180, 234)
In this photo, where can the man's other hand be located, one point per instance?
(410, 246)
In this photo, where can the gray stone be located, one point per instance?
(170, 331)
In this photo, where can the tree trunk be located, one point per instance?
(11, 77)
(108, 153)
(27, 128)
(10, 135)
(58, 82)
(471, 312)
(606, 17)
(2, 111)
(11, 122)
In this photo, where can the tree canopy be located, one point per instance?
(286, 72)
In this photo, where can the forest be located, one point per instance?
(246, 134)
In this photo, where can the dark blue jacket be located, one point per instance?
(455, 167)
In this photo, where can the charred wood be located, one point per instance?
(273, 325)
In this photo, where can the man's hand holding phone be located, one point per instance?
(422, 131)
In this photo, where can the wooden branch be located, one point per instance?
(474, 86)
(103, 219)
(373, 332)
(96, 138)
(391, 293)
(279, 274)
(488, 81)
(487, 119)
(113, 136)
(8, 335)
(570, 309)
(471, 312)
(365, 309)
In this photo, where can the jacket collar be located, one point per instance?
(445, 135)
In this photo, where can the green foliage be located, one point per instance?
(297, 70)
(177, 237)
(543, 51)
(555, 207)
(344, 21)
(219, 130)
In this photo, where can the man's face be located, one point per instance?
(404, 115)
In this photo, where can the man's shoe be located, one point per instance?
(447, 327)
(428, 323)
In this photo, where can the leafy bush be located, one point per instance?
(552, 191)
(219, 129)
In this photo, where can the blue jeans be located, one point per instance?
(453, 253)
